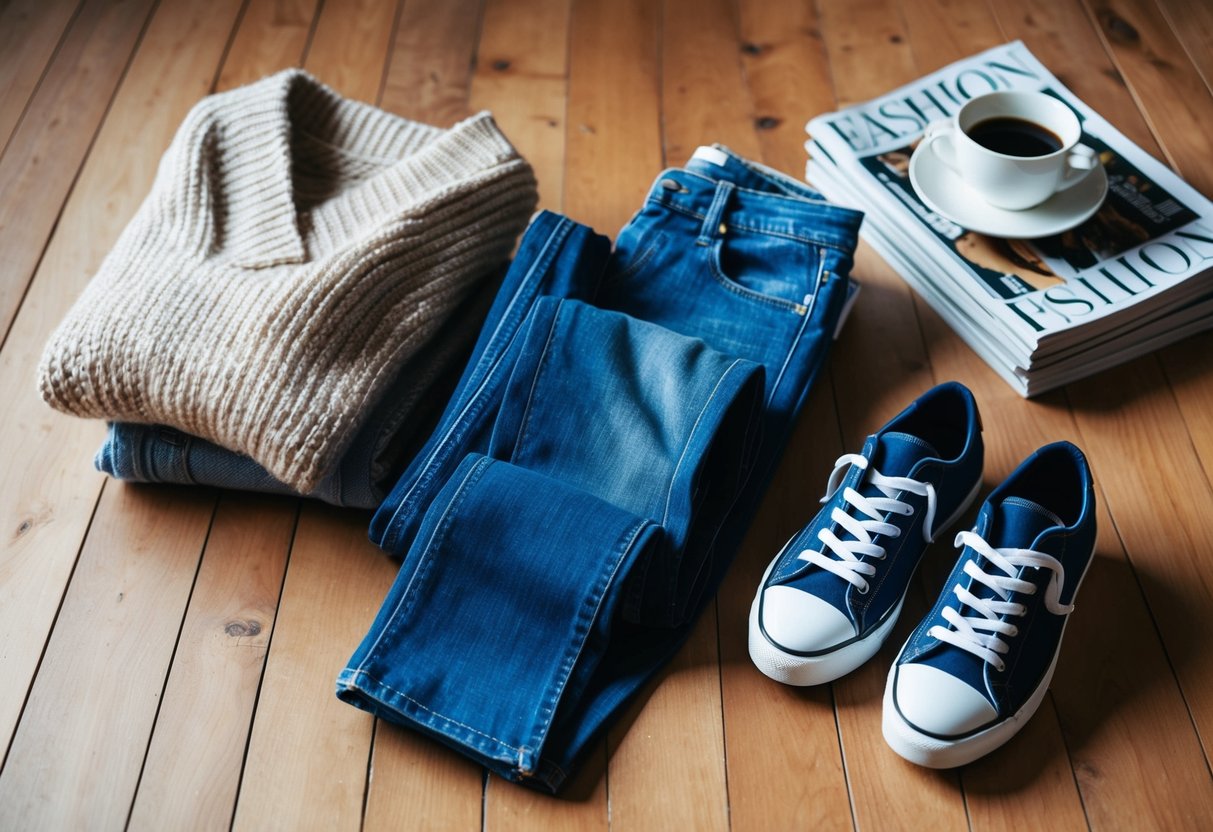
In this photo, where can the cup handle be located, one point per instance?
(1079, 163)
(938, 139)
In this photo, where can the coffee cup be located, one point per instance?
(1015, 149)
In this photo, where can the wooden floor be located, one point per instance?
(167, 655)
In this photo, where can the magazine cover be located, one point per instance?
(1152, 233)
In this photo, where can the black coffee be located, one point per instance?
(1014, 137)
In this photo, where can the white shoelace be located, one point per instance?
(843, 557)
(981, 634)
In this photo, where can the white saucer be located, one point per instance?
(946, 193)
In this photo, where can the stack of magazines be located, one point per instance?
(1042, 312)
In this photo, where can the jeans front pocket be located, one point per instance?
(769, 269)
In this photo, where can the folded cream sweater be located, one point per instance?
(295, 250)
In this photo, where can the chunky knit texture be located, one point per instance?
(296, 249)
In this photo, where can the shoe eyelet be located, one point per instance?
(867, 587)
(1000, 667)
(1014, 632)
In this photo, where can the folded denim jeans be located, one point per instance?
(527, 558)
(599, 464)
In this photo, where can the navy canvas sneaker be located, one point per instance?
(978, 666)
(830, 598)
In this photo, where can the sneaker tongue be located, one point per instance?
(1017, 522)
(897, 453)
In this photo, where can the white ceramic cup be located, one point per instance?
(1013, 182)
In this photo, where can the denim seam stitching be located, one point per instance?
(691, 436)
(822, 275)
(640, 262)
(717, 271)
(380, 683)
(817, 241)
(584, 623)
(389, 627)
(795, 200)
(553, 242)
(541, 365)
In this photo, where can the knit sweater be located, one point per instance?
(296, 249)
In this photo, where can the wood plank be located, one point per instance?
(307, 757)
(784, 763)
(1131, 722)
(350, 49)
(48, 497)
(614, 151)
(691, 791)
(273, 35)
(614, 135)
(886, 792)
(75, 759)
(30, 31)
(193, 762)
(430, 69)
(1170, 93)
(1192, 23)
(415, 783)
(46, 149)
(522, 76)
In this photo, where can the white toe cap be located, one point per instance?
(796, 620)
(939, 703)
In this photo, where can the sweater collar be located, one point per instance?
(254, 172)
(253, 155)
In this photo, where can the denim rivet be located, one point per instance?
(670, 184)
(723, 228)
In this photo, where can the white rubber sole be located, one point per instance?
(802, 671)
(933, 752)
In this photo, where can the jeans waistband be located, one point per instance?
(702, 196)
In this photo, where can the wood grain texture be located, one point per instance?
(613, 149)
(614, 111)
(429, 76)
(308, 754)
(97, 690)
(1192, 23)
(211, 694)
(521, 75)
(1170, 93)
(1120, 707)
(1029, 784)
(44, 153)
(272, 35)
(30, 31)
(196, 752)
(49, 493)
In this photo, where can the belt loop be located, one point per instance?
(711, 223)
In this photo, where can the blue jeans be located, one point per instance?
(599, 463)
(375, 458)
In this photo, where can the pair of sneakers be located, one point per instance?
(977, 666)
